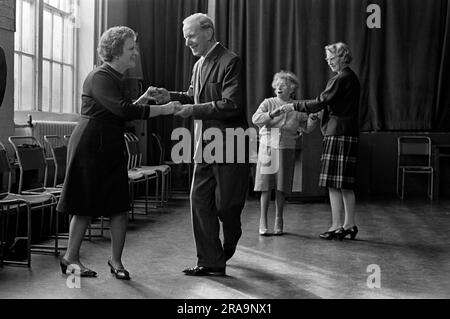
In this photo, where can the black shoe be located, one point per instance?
(66, 265)
(342, 233)
(205, 271)
(328, 235)
(119, 273)
(229, 253)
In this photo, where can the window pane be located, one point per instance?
(54, 3)
(47, 35)
(68, 41)
(66, 5)
(56, 88)
(26, 83)
(18, 32)
(45, 86)
(28, 28)
(68, 90)
(57, 38)
(16, 81)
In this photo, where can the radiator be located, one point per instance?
(42, 128)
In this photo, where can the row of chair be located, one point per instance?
(31, 156)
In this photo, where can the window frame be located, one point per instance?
(38, 59)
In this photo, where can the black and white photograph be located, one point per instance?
(221, 157)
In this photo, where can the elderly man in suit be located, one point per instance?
(219, 188)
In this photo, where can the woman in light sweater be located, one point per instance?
(278, 132)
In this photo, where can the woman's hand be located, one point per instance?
(314, 116)
(160, 95)
(286, 108)
(277, 112)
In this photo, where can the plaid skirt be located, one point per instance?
(339, 157)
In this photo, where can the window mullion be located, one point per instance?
(19, 58)
(61, 88)
(39, 48)
(52, 65)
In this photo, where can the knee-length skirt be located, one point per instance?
(338, 162)
(276, 170)
(96, 182)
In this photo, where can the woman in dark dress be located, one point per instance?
(340, 103)
(97, 180)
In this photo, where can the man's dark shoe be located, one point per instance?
(229, 253)
(205, 271)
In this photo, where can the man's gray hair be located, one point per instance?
(203, 20)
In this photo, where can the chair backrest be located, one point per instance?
(160, 148)
(5, 168)
(58, 150)
(133, 150)
(414, 151)
(30, 157)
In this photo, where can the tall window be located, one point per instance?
(45, 55)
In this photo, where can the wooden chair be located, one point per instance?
(414, 157)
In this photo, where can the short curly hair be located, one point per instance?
(340, 50)
(287, 76)
(112, 41)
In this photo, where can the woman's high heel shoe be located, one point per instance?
(86, 272)
(328, 235)
(119, 273)
(344, 232)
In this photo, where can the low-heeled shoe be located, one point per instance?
(331, 234)
(119, 273)
(205, 271)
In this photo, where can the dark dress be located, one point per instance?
(96, 181)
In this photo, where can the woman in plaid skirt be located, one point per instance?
(340, 103)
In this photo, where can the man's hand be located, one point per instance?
(169, 108)
(185, 110)
(160, 95)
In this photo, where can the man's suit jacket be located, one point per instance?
(218, 97)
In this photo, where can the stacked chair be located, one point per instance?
(33, 203)
(156, 173)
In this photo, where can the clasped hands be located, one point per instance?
(162, 97)
(286, 108)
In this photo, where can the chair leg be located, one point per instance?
(28, 236)
(56, 231)
(132, 200)
(403, 185)
(431, 185)
(147, 195)
(163, 187)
